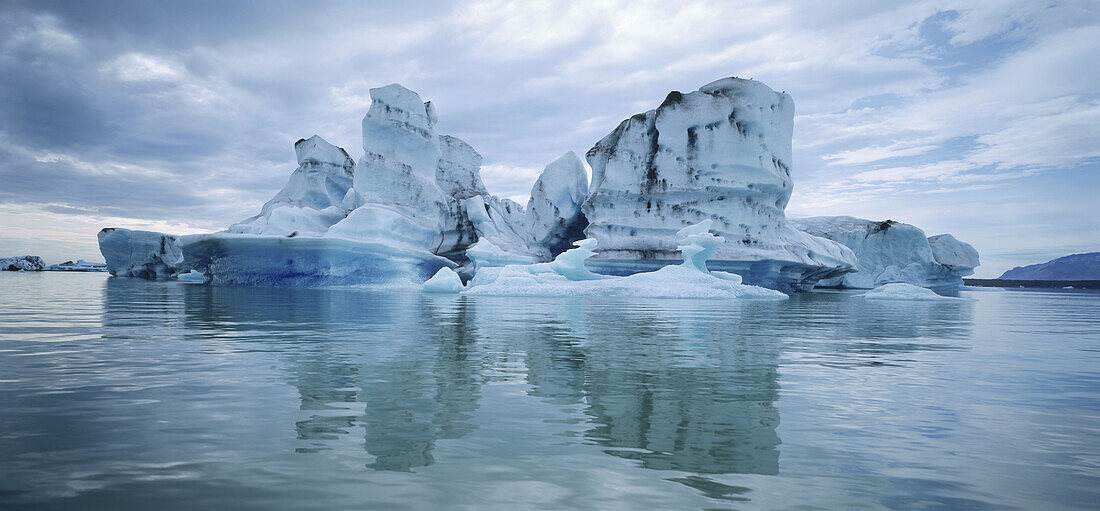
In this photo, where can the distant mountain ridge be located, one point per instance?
(1071, 267)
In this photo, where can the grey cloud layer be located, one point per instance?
(188, 111)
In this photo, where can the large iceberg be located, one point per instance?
(721, 153)
(414, 203)
(893, 252)
(144, 254)
(567, 275)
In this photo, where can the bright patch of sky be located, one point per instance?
(981, 119)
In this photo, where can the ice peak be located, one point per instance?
(316, 150)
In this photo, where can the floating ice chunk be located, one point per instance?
(570, 264)
(24, 263)
(697, 244)
(891, 252)
(902, 291)
(250, 260)
(956, 255)
(191, 276)
(485, 254)
(444, 281)
(143, 254)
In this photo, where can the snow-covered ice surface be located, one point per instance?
(907, 292)
(144, 254)
(721, 153)
(566, 276)
(312, 199)
(22, 263)
(445, 281)
(890, 252)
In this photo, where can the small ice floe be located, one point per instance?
(191, 276)
(444, 281)
(900, 291)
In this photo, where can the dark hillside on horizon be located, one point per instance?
(1072, 267)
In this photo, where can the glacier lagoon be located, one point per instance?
(127, 394)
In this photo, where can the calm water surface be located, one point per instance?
(125, 394)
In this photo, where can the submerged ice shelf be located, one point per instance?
(414, 206)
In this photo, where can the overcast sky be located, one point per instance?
(978, 119)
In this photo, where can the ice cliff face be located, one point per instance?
(553, 218)
(24, 263)
(892, 252)
(312, 199)
(721, 153)
(144, 254)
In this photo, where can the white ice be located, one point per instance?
(312, 199)
(566, 276)
(553, 216)
(444, 281)
(889, 252)
(144, 254)
(721, 153)
(908, 292)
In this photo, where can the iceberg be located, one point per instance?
(444, 281)
(907, 292)
(567, 275)
(270, 261)
(389, 218)
(953, 254)
(717, 159)
(312, 199)
(193, 276)
(721, 153)
(79, 265)
(24, 263)
(892, 252)
(553, 218)
(142, 254)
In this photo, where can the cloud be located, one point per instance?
(188, 112)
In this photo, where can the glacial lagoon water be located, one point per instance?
(125, 394)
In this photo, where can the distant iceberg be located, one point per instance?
(893, 252)
(24, 263)
(143, 254)
(907, 292)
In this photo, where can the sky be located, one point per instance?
(981, 119)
